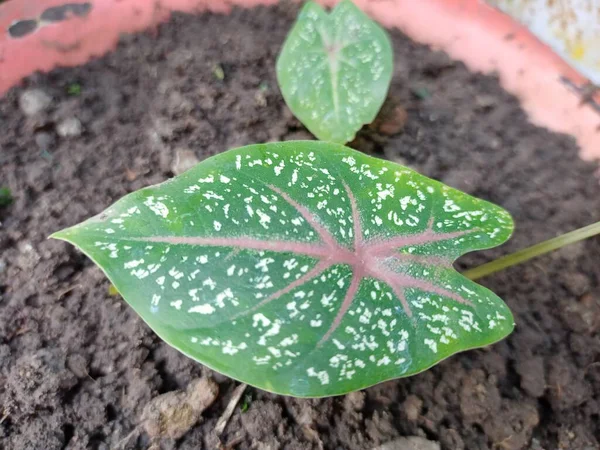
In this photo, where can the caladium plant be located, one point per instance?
(303, 268)
(334, 70)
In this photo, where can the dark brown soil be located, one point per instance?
(77, 366)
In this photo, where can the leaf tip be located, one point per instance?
(58, 235)
(62, 235)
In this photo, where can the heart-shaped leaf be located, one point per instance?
(334, 70)
(303, 268)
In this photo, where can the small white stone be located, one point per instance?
(34, 101)
(70, 127)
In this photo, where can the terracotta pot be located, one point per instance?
(43, 34)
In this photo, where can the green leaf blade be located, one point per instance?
(334, 70)
(303, 268)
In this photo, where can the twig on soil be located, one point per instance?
(123, 441)
(67, 290)
(559, 390)
(20, 331)
(5, 416)
(233, 442)
(89, 376)
(224, 419)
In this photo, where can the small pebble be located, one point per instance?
(576, 283)
(34, 101)
(69, 128)
(533, 375)
(184, 160)
(354, 401)
(78, 365)
(412, 407)
(171, 415)
(583, 315)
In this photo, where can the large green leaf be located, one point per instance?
(303, 268)
(334, 70)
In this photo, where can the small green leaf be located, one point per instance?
(303, 268)
(421, 93)
(74, 89)
(5, 196)
(334, 70)
(218, 72)
(246, 401)
(112, 290)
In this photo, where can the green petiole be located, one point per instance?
(531, 252)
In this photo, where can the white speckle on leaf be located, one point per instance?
(274, 351)
(384, 361)
(210, 283)
(208, 179)
(158, 208)
(290, 340)
(338, 344)
(265, 219)
(322, 375)
(202, 309)
(261, 319)
(140, 273)
(175, 273)
(177, 304)
(431, 344)
(230, 349)
(133, 264)
(221, 296)
(273, 331)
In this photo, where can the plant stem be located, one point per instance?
(531, 252)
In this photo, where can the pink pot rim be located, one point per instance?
(469, 30)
